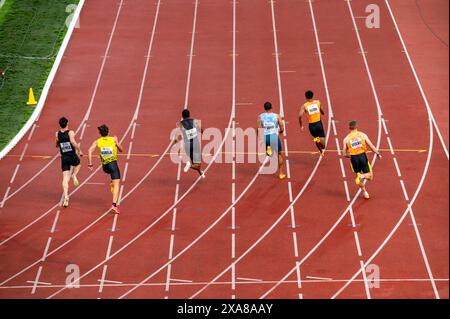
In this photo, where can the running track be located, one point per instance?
(238, 233)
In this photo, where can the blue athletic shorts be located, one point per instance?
(274, 142)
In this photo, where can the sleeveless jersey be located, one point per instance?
(269, 121)
(107, 149)
(189, 130)
(64, 144)
(313, 110)
(356, 144)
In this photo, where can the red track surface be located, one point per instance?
(179, 237)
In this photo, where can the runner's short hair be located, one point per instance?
(352, 125)
(309, 94)
(103, 130)
(63, 122)
(267, 106)
(185, 114)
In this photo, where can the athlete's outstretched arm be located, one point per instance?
(119, 147)
(372, 147)
(300, 116)
(74, 142)
(91, 149)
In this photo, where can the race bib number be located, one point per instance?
(192, 133)
(269, 128)
(65, 147)
(106, 151)
(356, 143)
(313, 109)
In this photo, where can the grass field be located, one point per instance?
(31, 32)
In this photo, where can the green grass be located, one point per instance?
(28, 28)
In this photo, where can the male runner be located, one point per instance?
(68, 147)
(189, 128)
(314, 111)
(355, 147)
(107, 147)
(273, 126)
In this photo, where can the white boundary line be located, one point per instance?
(99, 76)
(416, 77)
(47, 85)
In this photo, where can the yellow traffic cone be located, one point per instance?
(31, 99)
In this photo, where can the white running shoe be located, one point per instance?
(187, 167)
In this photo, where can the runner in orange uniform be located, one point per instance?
(314, 111)
(355, 147)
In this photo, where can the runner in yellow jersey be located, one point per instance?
(107, 147)
(314, 110)
(355, 147)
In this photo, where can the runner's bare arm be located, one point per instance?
(371, 146)
(74, 142)
(258, 125)
(90, 151)
(344, 148)
(119, 147)
(56, 140)
(321, 109)
(280, 124)
(177, 134)
(300, 116)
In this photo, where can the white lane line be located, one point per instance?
(191, 54)
(391, 149)
(181, 280)
(108, 250)
(358, 246)
(36, 280)
(83, 130)
(112, 283)
(347, 192)
(384, 126)
(14, 174)
(366, 283)
(32, 132)
(413, 69)
(405, 193)
(23, 152)
(125, 171)
(44, 255)
(114, 225)
(319, 278)
(397, 168)
(129, 150)
(133, 130)
(341, 164)
(233, 245)
(249, 279)
(334, 131)
(102, 280)
(294, 239)
(55, 221)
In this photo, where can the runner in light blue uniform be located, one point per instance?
(273, 125)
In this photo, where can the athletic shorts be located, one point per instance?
(274, 142)
(192, 149)
(112, 169)
(360, 163)
(316, 129)
(69, 160)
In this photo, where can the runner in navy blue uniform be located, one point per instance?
(189, 129)
(68, 147)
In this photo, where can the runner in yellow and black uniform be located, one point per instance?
(355, 147)
(107, 147)
(314, 111)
